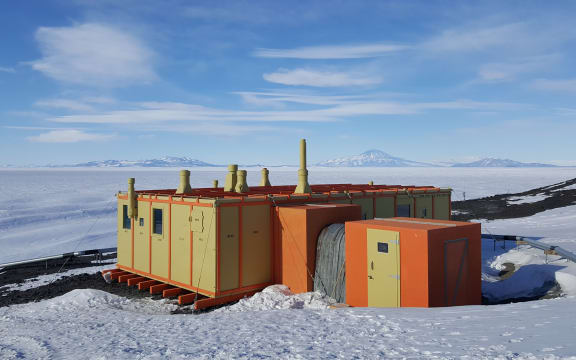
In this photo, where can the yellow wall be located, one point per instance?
(367, 205)
(204, 249)
(160, 246)
(423, 206)
(229, 248)
(142, 238)
(256, 245)
(442, 206)
(124, 238)
(384, 207)
(180, 249)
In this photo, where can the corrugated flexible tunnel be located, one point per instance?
(329, 277)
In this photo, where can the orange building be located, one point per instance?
(407, 262)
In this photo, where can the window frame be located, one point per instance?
(157, 214)
(409, 206)
(126, 221)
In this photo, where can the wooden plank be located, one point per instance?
(187, 298)
(116, 275)
(111, 271)
(136, 280)
(145, 285)
(171, 292)
(124, 278)
(157, 289)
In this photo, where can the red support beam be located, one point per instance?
(136, 280)
(187, 298)
(111, 271)
(116, 275)
(157, 289)
(145, 285)
(171, 292)
(124, 278)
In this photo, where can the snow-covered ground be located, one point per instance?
(46, 210)
(92, 324)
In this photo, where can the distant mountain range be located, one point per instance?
(377, 158)
(169, 161)
(507, 163)
(370, 158)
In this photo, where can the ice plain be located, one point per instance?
(46, 211)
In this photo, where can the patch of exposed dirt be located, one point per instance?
(508, 206)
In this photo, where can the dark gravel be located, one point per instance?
(500, 207)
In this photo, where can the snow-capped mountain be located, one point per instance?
(372, 158)
(490, 162)
(169, 161)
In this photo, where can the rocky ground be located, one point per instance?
(518, 205)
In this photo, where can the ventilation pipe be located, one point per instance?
(132, 206)
(371, 183)
(241, 184)
(215, 184)
(265, 181)
(303, 187)
(230, 183)
(184, 187)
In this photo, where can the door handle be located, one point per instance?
(372, 265)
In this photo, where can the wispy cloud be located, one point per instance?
(276, 98)
(332, 51)
(69, 136)
(474, 39)
(320, 78)
(508, 71)
(566, 85)
(87, 103)
(530, 37)
(7, 69)
(94, 55)
(66, 104)
(148, 114)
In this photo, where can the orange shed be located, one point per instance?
(296, 237)
(407, 262)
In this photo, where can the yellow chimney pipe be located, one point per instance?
(184, 186)
(241, 184)
(303, 187)
(230, 183)
(132, 206)
(215, 184)
(264, 180)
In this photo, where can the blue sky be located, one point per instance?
(242, 81)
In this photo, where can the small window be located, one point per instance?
(403, 211)
(424, 212)
(382, 247)
(157, 221)
(126, 223)
(141, 221)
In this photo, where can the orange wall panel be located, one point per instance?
(296, 236)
